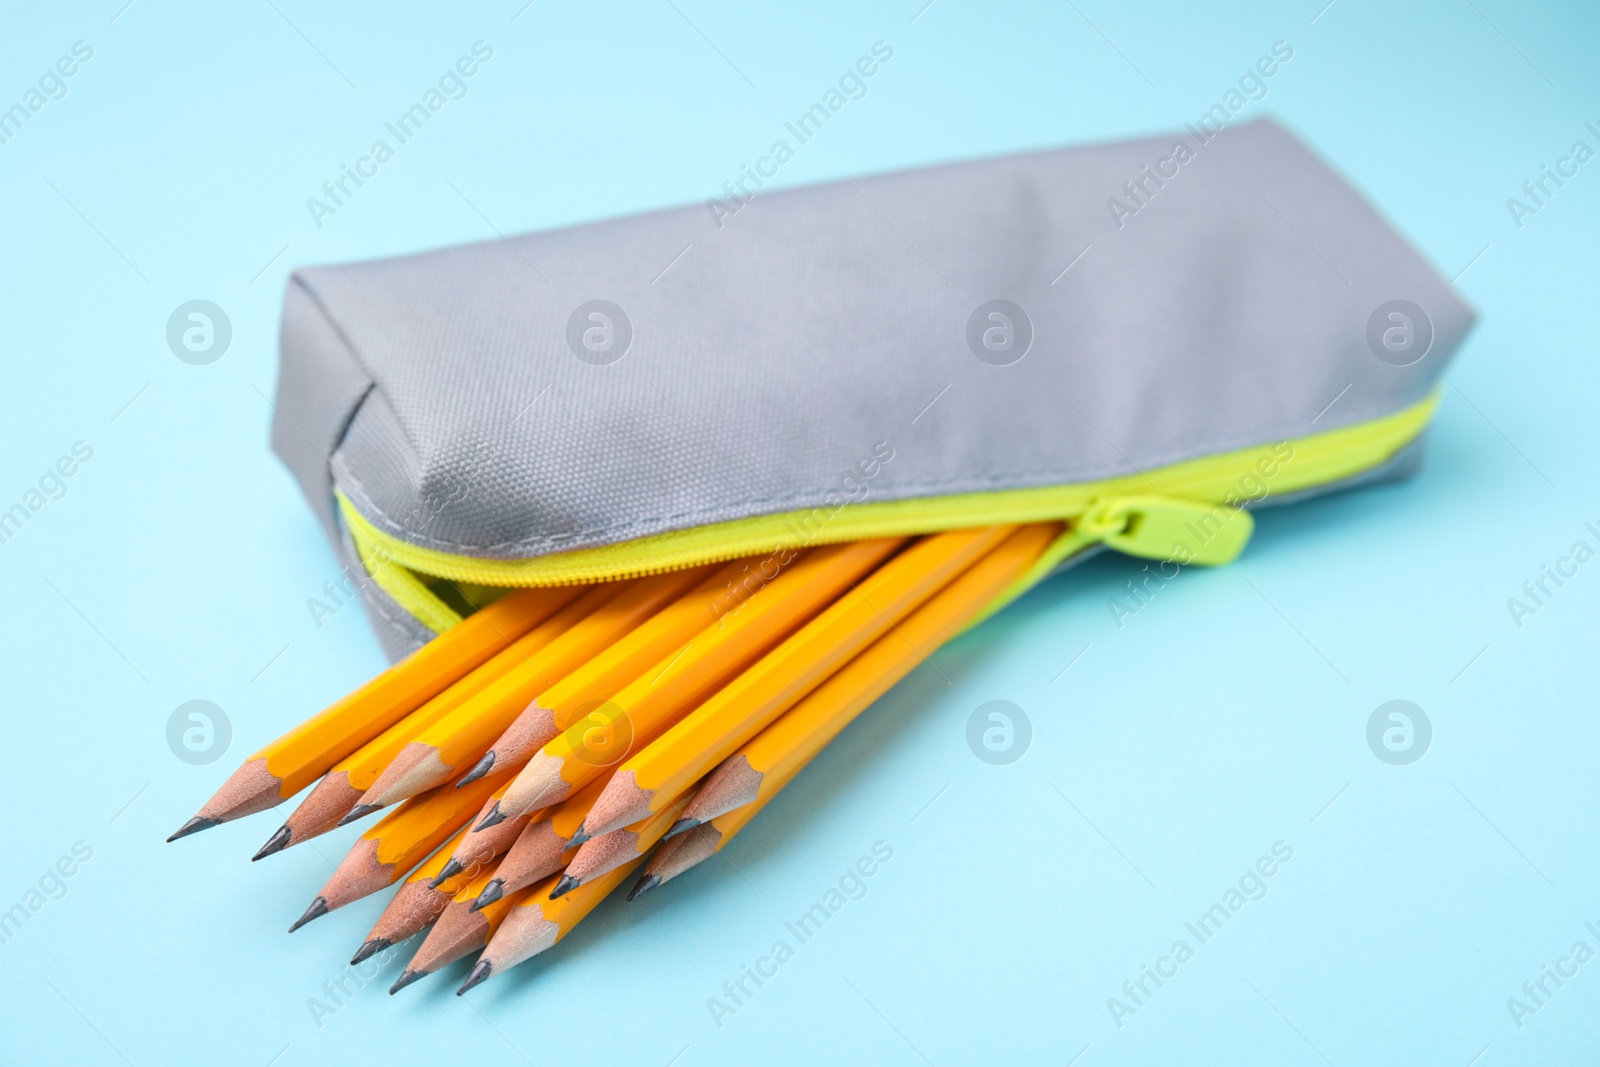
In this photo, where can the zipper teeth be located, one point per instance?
(772, 532)
(1317, 460)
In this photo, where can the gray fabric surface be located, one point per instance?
(772, 353)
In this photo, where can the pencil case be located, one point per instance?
(1145, 340)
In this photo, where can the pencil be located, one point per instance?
(543, 848)
(764, 765)
(295, 760)
(415, 905)
(651, 778)
(460, 929)
(660, 696)
(466, 851)
(398, 842)
(662, 635)
(537, 922)
(333, 798)
(459, 739)
(694, 846)
(608, 851)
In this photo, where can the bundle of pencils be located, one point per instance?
(533, 756)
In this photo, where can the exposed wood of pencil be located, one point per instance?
(415, 904)
(400, 840)
(660, 696)
(417, 765)
(295, 760)
(536, 923)
(459, 930)
(543, 848)
(333, 798)
(611, 850)
(469, 853)
(693, 847)
(663, 634)
(460, 739)
(652, 777)
(776, 754)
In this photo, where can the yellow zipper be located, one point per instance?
(1138, 514)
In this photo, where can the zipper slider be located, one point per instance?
(1167, 528)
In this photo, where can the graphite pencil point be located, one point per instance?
(318, 909)
(480, 974)
(565, 886)
(370, 949)
(450, 870)
(578, 838)
(491, 893)
(276, 843)
(644, 885)
(482, 768)
(405, 979)
(194, 826)
(360, 811)
(679, 827)
(494, 818)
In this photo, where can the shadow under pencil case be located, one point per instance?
(1140, 339)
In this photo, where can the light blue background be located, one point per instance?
(1224, 717)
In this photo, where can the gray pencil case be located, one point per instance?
(1140, 339)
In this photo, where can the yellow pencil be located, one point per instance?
(460, 738)
(301, 756)
(332, 799)
(661, 695)
(651, 778)
(763, 766)
(664, 634)
(536, 923)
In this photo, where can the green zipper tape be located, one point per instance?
(1186, 511)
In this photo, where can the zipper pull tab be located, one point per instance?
(1167, 528)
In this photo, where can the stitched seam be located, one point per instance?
(550, 543)
(372, 379)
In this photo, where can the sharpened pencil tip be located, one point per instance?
(480, 974)
(276, 843)
(405, 979)
(491, 893)
(644, 885)
(482, 768)
(370, 949)
(494, 818)
(318, 909)
(360, 811)
(565, 886)
(194, 826)
(450, 870)
(578, 838)
(680, 826)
